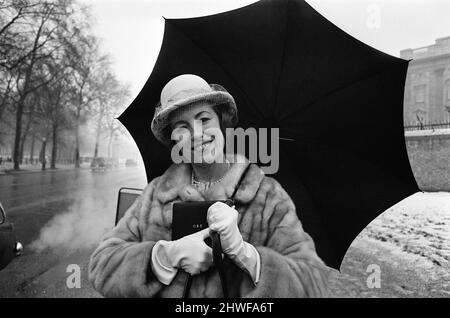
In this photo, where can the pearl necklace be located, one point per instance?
(206, 185)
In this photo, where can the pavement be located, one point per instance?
(8, 168)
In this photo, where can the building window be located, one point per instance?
(419, 94)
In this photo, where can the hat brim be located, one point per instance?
(160, 121)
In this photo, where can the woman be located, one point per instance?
(271, 255)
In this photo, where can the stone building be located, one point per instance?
(427, 88)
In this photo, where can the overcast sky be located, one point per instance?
(132, 29)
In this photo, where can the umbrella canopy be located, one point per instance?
(337, 102)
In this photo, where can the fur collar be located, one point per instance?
(176, 182)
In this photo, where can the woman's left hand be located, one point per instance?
(223, 220)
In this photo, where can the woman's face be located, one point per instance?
(201, 139)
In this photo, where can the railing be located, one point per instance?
(427, 126)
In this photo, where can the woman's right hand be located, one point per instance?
(189, 253)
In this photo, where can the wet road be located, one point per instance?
(59, 217)
(22, 190)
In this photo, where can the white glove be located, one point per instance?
(223, 220)
(189, 253)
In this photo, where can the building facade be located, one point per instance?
(427, 87)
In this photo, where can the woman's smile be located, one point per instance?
(203, 146)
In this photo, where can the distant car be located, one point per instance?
(101, 164)
(131, 163)
(114, 162)
(9, 247)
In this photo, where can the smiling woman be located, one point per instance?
(198, 128)
(267, 252)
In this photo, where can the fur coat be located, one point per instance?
(290, 267)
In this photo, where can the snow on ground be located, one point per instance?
(410, 242)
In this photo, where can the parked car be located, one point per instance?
(101, 164)
(9, 247)
(131, 163)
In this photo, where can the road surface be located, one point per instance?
(58, 217)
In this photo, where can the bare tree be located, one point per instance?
(53, 79)
(106, 86)
(29, 121)
(118, 99)
(14, 11)
(57, 98)
(86, 62)
(40, 28)
(55, 113)
(5, 91)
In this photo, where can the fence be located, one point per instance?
(427, 126)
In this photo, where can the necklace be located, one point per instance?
(206, 185)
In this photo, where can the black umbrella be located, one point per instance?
(337, 102)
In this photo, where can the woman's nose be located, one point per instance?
(198, 129)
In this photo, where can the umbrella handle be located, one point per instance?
(218, 261)
(187, 286)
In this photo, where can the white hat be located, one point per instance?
(185, 90)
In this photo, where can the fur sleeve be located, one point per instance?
(290, 266)
(120, 266)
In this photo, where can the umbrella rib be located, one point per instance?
(223, 70)
(338, 89)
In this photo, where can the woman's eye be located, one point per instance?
(205, 120)
(180, 127)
